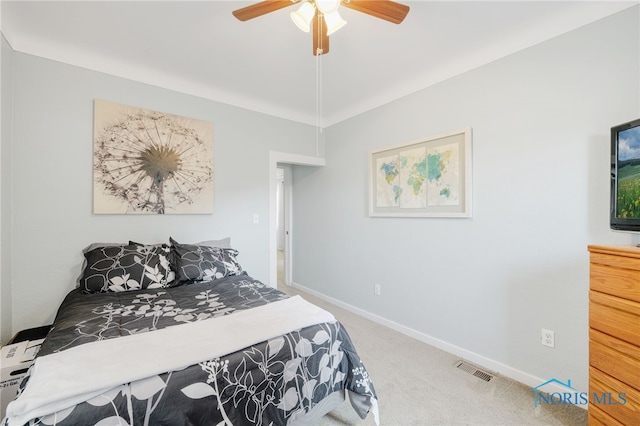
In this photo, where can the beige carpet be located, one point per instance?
(420, 385)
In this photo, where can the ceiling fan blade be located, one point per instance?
(262, 8)
(320, 37)
(383, 9)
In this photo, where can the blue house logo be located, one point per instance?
(570, 395)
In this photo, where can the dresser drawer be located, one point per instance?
(597, 417)
(625, 257)
(608, 390)
(615, 358)
(619, 282)
(617, 317)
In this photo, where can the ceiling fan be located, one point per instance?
(321, 16)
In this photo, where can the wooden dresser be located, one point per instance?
(614, 335)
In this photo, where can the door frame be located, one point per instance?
(283, 158)
(287, 205)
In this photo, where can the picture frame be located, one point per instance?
(431, 177)
(150, 162)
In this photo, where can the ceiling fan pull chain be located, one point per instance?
(318, 103)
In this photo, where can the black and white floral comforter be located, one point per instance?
(266, 384)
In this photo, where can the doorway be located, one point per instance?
(276, 160)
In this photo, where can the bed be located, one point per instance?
(179, 334)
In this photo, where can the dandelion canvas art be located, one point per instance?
(149, 162)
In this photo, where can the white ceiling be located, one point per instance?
(266, 64)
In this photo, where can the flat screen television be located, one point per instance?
(625, 177)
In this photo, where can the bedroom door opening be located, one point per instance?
(286, 161)
(283, 223)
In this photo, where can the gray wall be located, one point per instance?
(484, 287)
(52, 179)
(6, 115)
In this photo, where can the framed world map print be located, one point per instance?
(425, 178)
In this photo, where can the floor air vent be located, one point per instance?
(474, 371)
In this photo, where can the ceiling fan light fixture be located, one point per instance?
(334, 22)
(303, 16)
(322, 15)
(327, 6)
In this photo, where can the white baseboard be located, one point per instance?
(477, 359)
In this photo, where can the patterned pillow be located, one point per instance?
(126, 268)
(86, 250)
(193, 262)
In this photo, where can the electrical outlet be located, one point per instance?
(376, 289)
(548, 338)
